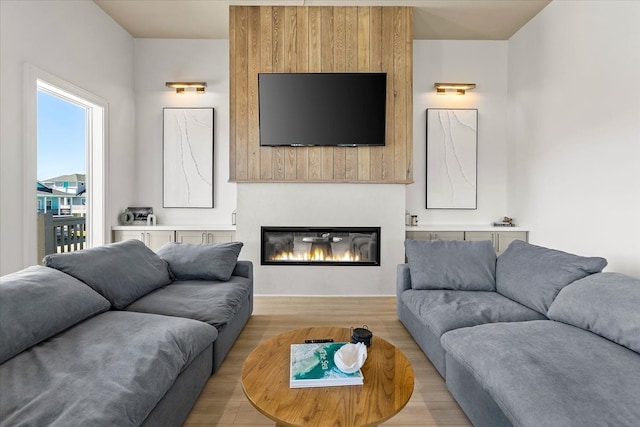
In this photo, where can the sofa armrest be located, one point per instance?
(243, 269)
(403, 279)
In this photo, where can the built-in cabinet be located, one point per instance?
(153, 239)
(436, 235)
(156, 236)
(201, 236)
(501, 238)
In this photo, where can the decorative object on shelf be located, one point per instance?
(140, 215)
(188, 158)
(460, 88)
(126, 217)
(506, 222)
(452, 147)
(181, 86)
(151, 219)
(233, 217)
(407, 218)
(414, 220)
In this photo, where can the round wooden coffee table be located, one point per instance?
(388, 384)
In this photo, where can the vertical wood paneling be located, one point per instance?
(327, 49)
(327, 39)
(241, 99)
(363, 154)
(408, 54)
(314, 65)
(399, 76)
(278, 67)
(302, 66)
(375, 61)
(290, 58)
(266, 66)
(387, 64)
(351, 64)
(253, 68)
(233, 48)
(339, 66)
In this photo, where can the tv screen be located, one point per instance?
(341, 109)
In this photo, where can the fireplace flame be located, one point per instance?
(316, 255)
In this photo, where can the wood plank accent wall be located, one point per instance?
(265, 39)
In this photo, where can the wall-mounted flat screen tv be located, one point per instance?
(324, 109)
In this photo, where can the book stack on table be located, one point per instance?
(312, 365)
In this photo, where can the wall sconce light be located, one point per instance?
(181, 86)
(460, 88)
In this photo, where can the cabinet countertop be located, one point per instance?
(168, 227)
(462, 227)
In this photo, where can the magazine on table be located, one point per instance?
(312, 365)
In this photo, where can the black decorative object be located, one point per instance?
(363, 335)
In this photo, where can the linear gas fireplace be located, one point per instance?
(320, 246)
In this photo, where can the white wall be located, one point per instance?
(158, 61)
(79, 43)
(574, 102)
(358, 205)
(483, 63)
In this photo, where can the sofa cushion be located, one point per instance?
(533, 275)
(212, 302)
(207, 261)
(39, 302)
(110, 370)
(548, 374)
(607, 304)
(444, 310)
(121, 272)
(456, 265)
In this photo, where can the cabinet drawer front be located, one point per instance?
(435, 235)
(447, 235)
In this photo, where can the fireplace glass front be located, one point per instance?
(320, 246)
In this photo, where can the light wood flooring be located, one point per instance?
(223, 404)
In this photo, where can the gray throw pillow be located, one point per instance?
(121, 272)
(533, 275)
(607, 304)
(454, 265)
(39, 302)
(206, 261)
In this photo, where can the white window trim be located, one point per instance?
(97, 157)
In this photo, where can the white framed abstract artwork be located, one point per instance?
(452, 148)
(187, 171)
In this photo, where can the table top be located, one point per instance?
(388, 384)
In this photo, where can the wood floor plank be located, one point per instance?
(223, 404)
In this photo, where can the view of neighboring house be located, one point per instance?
(63, 195)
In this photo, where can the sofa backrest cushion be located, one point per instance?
(607, 304)
(207, 261)
(39, 302)
(533, 275)
(121, 272)
(455, 264)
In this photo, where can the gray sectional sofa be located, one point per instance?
(118, 335)
(535, 337)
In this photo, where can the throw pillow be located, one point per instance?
(39, 302)
(606, 304)
(121, 272)
(206, 261)
(455, 265)
(533, 275)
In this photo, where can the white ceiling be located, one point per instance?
(433, 19)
